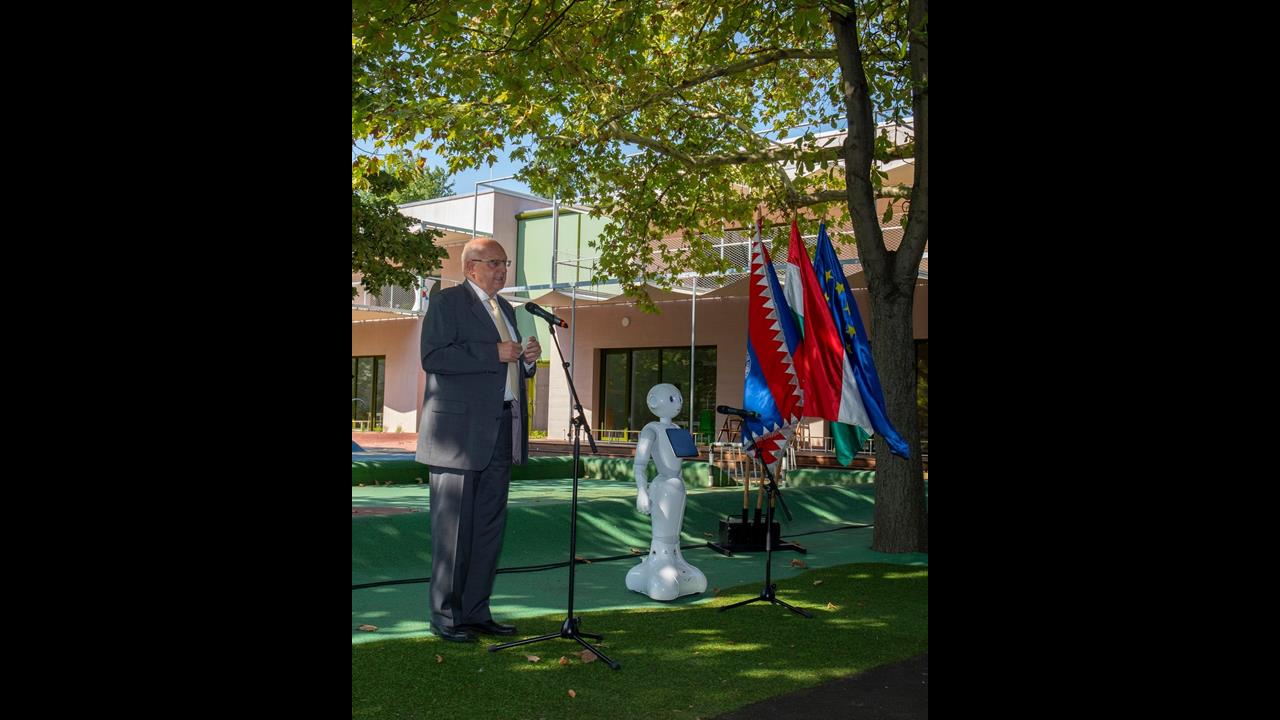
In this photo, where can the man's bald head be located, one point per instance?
(476, 247)
(479, 256)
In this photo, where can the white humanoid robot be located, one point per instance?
(663, 574)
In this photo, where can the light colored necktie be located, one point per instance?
(505, 334)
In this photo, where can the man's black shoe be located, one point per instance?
(489, 627)
(458, 634)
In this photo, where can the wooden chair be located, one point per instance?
(731, 460)
(731, 430)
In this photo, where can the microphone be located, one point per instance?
(549, 317)
(745, 414)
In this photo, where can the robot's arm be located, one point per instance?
(641, 468)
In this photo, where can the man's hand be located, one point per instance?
(532, 350)
(508, 351)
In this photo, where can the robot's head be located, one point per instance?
(664, 400)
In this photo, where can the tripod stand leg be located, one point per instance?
(526, 641)
(742, 602)
(720, 549)
(790, 607)
(597, 653)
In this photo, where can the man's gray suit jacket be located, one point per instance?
(466, 384)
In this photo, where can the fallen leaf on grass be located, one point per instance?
(439, 659)
(816, 583)
(368, 628)
(587, 656)
(581, 559)
(638, 551)
(564, 660)
(832, 606)
(572, 693)
(532, 658)
(798, 563)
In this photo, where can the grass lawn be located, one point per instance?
(683, 662)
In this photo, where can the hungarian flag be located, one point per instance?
(839, 379)
(771, 387)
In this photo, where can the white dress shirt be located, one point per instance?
(511, 329)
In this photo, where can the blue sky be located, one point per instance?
(464, 183)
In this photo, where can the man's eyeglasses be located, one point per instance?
(495, 264)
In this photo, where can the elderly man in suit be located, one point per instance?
(474, 426)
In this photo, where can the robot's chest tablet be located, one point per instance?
(682, 442)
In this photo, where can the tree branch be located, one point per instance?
(892, 192)
(859, 147)
(758, 140)
(917, 231)
(766, 59)
(781, 153)
(617, 133)
(895, 192)
(550, 27)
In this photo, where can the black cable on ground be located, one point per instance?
(588, 561)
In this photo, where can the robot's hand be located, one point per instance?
(642, 501)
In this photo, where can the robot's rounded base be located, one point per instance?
(664, 574)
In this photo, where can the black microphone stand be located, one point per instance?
(571, 629)
(768, 594)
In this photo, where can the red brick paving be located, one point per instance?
(402, 442)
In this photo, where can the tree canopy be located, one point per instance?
(386, 248)
(431, 183)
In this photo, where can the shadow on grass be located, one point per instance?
(684, 662)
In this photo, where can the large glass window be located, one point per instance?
(614, 371)
(368, 380)
(646, 371)
(626, 375)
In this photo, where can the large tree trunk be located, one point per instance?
(891, 278)
(900, 513)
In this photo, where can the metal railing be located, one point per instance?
(828, 444)
(631, 437)
(802, 443)
(390, 297)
